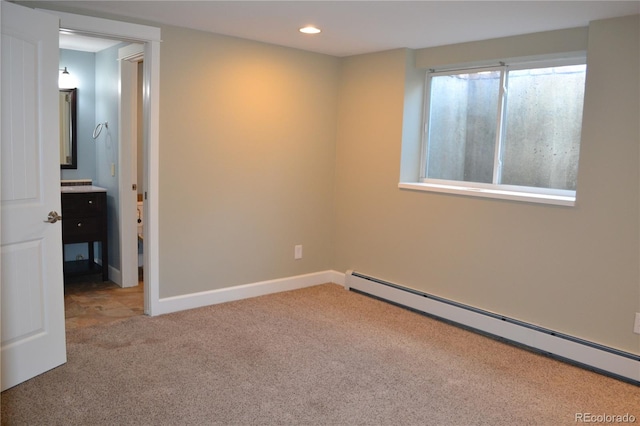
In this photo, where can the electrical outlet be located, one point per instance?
(297, 252)
(636, 326)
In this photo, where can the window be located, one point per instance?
(507, 131)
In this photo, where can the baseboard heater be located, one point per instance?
(603, 359)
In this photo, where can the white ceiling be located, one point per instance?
(85, 44)
(355, 27)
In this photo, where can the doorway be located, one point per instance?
(107, 78)
(148, 39)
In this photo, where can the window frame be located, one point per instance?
(492, 190)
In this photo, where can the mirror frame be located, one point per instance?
(73, 129)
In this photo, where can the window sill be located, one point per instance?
(559, 200)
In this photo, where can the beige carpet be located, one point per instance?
(317, 356)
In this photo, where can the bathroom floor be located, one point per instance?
(89, 301)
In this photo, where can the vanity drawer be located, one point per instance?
(81, 229)
(83, 205)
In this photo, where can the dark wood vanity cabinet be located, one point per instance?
(84, 220)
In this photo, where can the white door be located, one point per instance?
(32, 299)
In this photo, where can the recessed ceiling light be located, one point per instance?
(309, 30)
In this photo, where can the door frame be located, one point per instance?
(128, 58)
(150, 37)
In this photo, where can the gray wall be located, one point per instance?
(247, 154)
(571, 269)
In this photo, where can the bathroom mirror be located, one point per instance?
(68, 143)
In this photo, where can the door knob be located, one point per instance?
(53, 217)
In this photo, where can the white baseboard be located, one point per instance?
(588, 354)
(197, 300)
(115, 275)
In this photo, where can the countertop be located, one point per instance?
(82, 188)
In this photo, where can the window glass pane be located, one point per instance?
(543, 122)
(462, 126)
